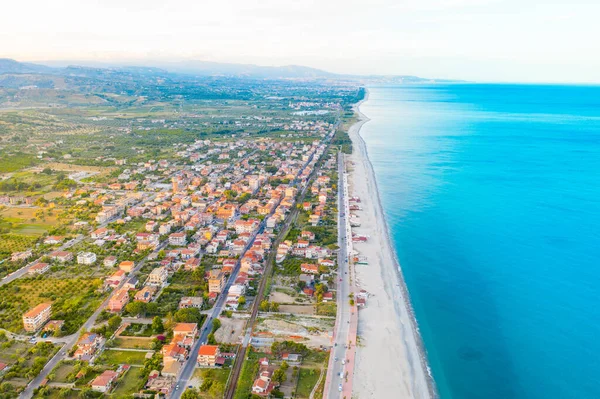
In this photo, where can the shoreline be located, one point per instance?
(413, 379)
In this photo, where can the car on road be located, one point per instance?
(336, 358)
(340, 388)
(177, 387)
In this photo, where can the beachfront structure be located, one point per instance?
(35, 318)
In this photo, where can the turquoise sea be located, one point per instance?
(492, 196)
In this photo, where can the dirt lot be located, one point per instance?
(231, 330)
(312, 331)
(66, 167)
(298, 309)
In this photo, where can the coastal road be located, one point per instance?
(344, 333)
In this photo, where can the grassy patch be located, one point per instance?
(306, 382)
(116, 357)
(132, 343)
(130, 383)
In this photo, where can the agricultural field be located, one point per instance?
(10, 243)
(25, 361)
(73, 300)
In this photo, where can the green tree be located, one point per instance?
(190, 393)
(188, 315)
(136, 308)
(114, 322)
(157, 325)
(279, 376)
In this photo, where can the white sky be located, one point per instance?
(482, 40)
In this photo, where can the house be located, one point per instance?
(161, 384)
(191, 302)
(145, 294)
(308, 235)
(262, 385)
(39, 268)
(127, 266)
(189, 330)
(61, 256)
(327, 262)
(191, 264)
(54, 325)
(174, 351)
(104, 381)
(309, 268)
(117, 302)
(99, 233)
(115, 279)
(53, 240)
(158, 277)
(35, 318)
(110, 261)
(86, 258)
(292, 358)
(88, 345)
(131, 284)
(178, 239)
(303, 244)
(207, 355)
(216, 281)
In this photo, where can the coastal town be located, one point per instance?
(206, 267)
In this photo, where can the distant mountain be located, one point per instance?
(8, 65)
(194, 68)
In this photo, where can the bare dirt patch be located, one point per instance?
(231, 330)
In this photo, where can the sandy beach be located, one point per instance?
(390, 362)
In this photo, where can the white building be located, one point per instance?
(86, 258)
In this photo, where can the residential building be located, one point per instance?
(39, 268)
(88, 345)
(145, 294)
(191, 302)
(127, 266)
(207, 355)
(118, 301)
(178, 239)
(158, 276)
(35, 318)
(103, 383)
(216, 281)
(86, 258)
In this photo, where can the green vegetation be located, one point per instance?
(73, 300)
(116, 357)
(306, 382)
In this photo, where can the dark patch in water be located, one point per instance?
(469, 354)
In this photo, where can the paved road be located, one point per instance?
(335, 385)
(22, 271)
